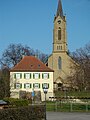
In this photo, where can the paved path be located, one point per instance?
(67, 116)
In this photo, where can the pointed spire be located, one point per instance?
(59, 9)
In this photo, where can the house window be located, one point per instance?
(18, 76)
(59, 34)
(45, 75)
(36, 85)
(18, 86)
(27, 76)
(59, 63)
(61, 48)
(45, 85)
(27, 85)
(36, 75)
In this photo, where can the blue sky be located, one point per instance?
(30, 22)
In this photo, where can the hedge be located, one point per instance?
(32, 112)
(17, 102)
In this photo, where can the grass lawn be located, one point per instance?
(67, 107)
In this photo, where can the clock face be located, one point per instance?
(59, 21)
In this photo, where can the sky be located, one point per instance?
(30, 22)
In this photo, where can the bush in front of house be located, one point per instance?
(33, 112)
(17, 102)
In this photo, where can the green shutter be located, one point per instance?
(24, 76)
(15, 86)
(33, 76)
(39, 85)
(21, 75)
(39, 75)
(48, 85)
(30, 85)
(42, 76)
(48, 75)
(15, 76)
(24, 85)
(33, 85)
(30, 75)
(20, 85)
(42, 86)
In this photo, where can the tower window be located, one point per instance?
(59, 34)
(59, 63)
(59, 47)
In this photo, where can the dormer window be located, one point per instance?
(38, 66)
(31, 65)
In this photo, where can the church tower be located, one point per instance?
(59, 60)
(59, 32)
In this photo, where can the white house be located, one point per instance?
(31, 74)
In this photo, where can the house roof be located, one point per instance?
(32, 64)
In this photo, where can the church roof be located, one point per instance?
(59, 9)
(30, 64)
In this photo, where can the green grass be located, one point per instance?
(67, 107)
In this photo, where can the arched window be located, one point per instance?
(59, 63)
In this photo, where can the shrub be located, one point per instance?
(17, 102)
(35, 112)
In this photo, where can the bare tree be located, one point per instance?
(81, 76)
(13, 54)
(4, 83)
(43, 57)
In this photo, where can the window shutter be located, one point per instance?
(15, 86)
(30, 75)
(30, 85)
(48, 75)
(42, 76)
(33, 76)
(39, 85)
(42, 86)
(39, 75)
(24, 85)
(33, 85)
(20, 85)
(21, 75)
(48, 85)
(24, 75)
(15, 76)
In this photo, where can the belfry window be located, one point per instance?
(59, 63)
(59, 34)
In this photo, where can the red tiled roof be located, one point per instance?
(31, 63)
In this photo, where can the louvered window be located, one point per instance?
(59, 34)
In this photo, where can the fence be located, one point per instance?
(68, 104)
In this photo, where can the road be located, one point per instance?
(67, 116)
